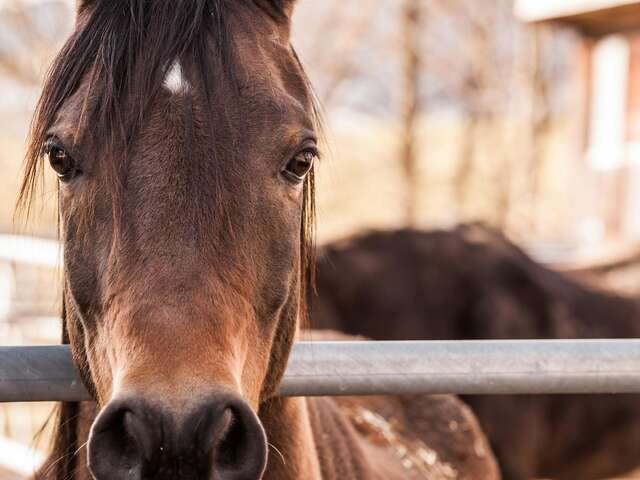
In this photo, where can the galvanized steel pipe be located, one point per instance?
(372, 368)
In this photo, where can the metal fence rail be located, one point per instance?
(369, 368)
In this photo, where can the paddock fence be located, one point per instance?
(45, 373)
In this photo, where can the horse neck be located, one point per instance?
(292, 450)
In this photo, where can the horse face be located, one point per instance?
(182, 242)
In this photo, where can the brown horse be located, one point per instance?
(472, 283)
(183, 134)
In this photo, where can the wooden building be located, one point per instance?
(607, 67)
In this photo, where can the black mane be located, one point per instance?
(125, 48)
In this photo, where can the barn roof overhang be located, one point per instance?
(592, 17)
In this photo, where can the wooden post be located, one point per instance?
(582, 197)
(614, 182)
(632, 167)
(585, 86)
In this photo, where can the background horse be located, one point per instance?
(472, 283)
(184, 134)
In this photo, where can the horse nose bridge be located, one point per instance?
(177, 305)
(170, 265)
(175, 351)
(178, 375)
(195, 321)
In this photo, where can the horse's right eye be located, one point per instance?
(300, 165)
(61, 162)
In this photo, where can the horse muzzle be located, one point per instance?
(220, 439)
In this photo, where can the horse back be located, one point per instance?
(433, 437)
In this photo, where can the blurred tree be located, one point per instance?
(412, 53)
(499, 69)
(406, 60)
(339, 66)
(30, 33)
(540, 115)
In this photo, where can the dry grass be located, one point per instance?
(361, 186)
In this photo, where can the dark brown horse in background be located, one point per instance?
(183, 134)
(472, 283)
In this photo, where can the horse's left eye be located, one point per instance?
(61, 162)
(300, 165)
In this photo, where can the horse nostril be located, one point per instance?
(223, 439)
(237, 442)
(122, 442)
(229, 451)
